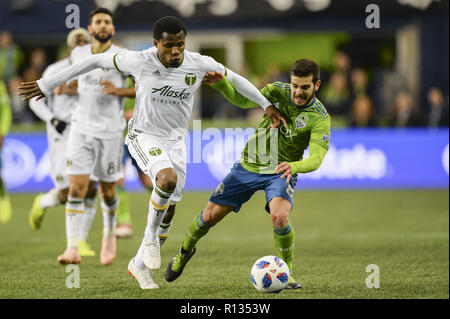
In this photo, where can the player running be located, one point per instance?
(95, 139)
(56, 111)
(5, 126)
(308, 126)
(167, 77)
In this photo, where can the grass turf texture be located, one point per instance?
(338, 233)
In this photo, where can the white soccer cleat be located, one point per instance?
(142, 275)
(152, 254)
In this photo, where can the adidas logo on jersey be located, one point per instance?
(156, 72)
(167, 91)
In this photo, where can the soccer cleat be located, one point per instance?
(108, 252)
(5, 209)
(177, 264)
(85, 249)
(37, 213)
(152, 255)
(142, 275)
(70, 256)
(292, 284)
(124, 230)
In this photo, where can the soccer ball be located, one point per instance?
(270, 274)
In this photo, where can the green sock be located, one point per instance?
(197, 229)
(123, 211)
(284, 242)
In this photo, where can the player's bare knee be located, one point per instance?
(279, 218)
(62, 195)
(92, 191)
(77, 191)
(166, 179)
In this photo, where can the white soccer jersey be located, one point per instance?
(98, 114)
(164, 96)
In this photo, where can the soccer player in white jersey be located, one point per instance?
(167, 77)
(95, 140)
(56, 111)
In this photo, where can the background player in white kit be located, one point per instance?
(167, 77)
(95, 140)
(56, 111)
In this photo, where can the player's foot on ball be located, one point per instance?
(176, 265)
(84, 249)
(108, 252)
(124, 230)
(5, 209)
(36, 214)
(292, 284)
(70, 256)
(142, 275)
(152, 255)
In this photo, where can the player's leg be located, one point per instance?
(5, 203)
(58, 170)
(199, 227)
(279, 196)
(78, 187)
(109, 170)
(164, 227)
(90, 208)
(80, 163)
(109, 204)
(124, 226)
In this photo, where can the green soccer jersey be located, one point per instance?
(308, 126)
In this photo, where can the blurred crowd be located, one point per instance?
(349, 93)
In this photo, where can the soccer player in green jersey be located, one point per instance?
(5, 125)
(272, 168)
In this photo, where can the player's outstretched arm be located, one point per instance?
(243, 94)
(313, 162)
(45, 86)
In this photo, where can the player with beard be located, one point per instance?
(308, 126)
(95, 140)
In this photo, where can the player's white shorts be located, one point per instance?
(95, 156)
(154, 154)
(57, 148)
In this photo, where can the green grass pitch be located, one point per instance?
(338, 233)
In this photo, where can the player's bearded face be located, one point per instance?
(170, 48)
(101, 27)
(303, 90)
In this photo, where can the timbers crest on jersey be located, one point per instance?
(190, 79)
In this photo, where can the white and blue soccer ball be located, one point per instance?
(270, 274)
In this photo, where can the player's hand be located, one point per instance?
(61, 90)
(59, 125)
(108, 87)
(211, 78)
(284, 168)
(30, 90)
(275, 116)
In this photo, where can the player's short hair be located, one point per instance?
(305, 67)
(169, 24)
(99, 10)
(71, 37)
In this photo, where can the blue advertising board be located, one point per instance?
(357, 159)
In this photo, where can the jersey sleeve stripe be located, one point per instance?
(115, 64)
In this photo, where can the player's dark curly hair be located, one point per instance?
(305, 67)
(169, 24)
(99, 10)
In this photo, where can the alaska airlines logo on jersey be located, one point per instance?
(301, 121)
(190, 79)
(168, 92)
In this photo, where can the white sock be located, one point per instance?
(159, 203)
(74, 220)
(109, 216)
(50, 199)
(138, 260)
(90, 208)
